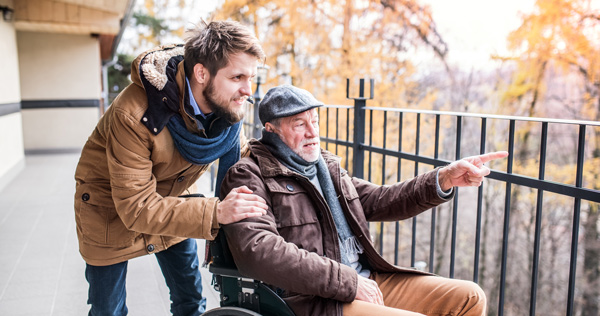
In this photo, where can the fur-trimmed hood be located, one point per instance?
(153, 65)
(160, 72)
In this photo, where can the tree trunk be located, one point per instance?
(346, 40)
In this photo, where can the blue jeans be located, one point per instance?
(180, 267)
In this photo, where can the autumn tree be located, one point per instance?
(154, 22)
(157, 22)
(318, 44)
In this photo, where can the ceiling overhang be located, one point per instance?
(102, 18)
(70, 16)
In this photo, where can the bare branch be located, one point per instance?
(416, 17)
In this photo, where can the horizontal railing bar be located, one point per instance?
(490, 116)
(337, 141)
(338, 106)
(548, 186)
(403, 155)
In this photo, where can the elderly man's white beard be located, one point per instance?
(310, 156)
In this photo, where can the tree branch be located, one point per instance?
(416, 17)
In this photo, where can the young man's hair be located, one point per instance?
(212, 45)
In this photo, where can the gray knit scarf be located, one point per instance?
(317, 170)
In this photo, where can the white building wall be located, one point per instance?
(12, 157)
(60, 76)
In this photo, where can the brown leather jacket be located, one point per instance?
(294, 248)
(130, 173)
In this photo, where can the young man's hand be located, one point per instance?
(239, 204)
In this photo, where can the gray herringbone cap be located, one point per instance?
(285, 100)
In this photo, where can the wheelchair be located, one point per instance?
(240, 295)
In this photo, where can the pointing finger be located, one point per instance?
(494, 155)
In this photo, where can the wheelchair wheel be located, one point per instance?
(230, 311)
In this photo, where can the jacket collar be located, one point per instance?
(271, 167)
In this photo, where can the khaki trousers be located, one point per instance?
(416, 295)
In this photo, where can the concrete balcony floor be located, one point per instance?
(41, 271)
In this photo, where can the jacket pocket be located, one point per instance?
(98, 220)
(296, 215)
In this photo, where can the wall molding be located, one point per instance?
(53, 151)
(9, 108)
(50, 104)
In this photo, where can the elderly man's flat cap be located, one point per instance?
(284, 101)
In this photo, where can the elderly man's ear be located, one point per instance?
(269, 127)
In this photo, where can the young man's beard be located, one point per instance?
(220, 108)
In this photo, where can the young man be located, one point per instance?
(313, 246)
(181, 113)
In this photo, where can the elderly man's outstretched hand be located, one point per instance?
(467, 171)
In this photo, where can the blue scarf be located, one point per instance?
(202, 151)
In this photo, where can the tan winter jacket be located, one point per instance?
(130, 174)
(294, 248)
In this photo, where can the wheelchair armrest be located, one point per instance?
(224, 271)
(193, 195)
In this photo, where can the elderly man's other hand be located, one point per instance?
(467, 171)
(368, 291)
(239, 204)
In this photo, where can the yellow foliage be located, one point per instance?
(317, 44)
(562, 36)
(563, 32)
(590, 174)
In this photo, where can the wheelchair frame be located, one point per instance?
(240, 295)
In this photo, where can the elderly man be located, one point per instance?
(313, 245)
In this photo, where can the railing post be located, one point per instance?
(505, 231)
(576, 221)
(256, 125)
(359, 127)
(261, 77)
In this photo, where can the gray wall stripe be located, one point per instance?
(9, 108)
(45, 104)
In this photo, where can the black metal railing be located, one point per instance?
(360, 152)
